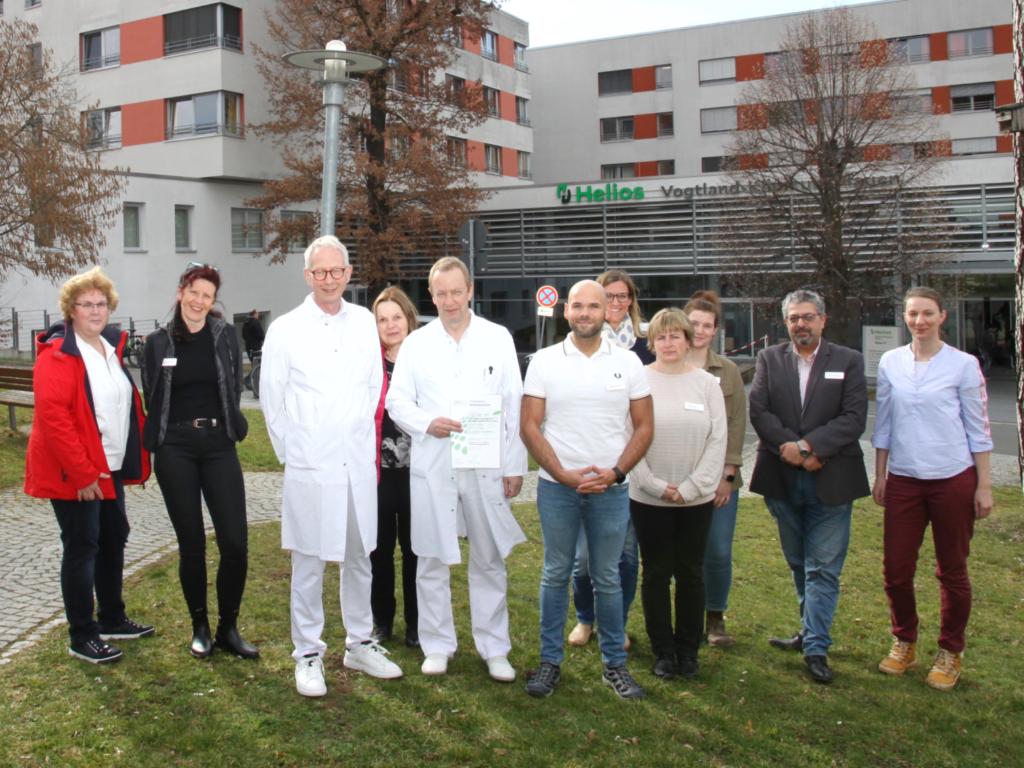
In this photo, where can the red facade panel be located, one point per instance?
(643, 79)
(647, 168)
(143, 122)
(940, 99)
(1004, 92)
(876, 152)
(507, 104)
(1004, 144)
(939, 46)
(874, 53)
(1002, 38)
(943, 148)
(506, 51)
(475, 158)
(750, 117)
(645, 126)
(509, 162)
(142, 40)
(750, 67)
(473, 46)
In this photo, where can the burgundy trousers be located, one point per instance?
(910, 505)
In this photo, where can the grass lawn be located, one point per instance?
(752, 706)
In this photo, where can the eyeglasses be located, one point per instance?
(810, 317)
(89, 306)
(622, 298)
(194, 264)
(321, 274)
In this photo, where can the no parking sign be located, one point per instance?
(547, 297)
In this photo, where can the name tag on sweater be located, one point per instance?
(835, 374)
(616, 385)
(694, 406)
(170, 362)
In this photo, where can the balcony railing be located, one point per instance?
(494, 168)
(206, 41)
(489, 53)
(666, 85)
(494, 110)
(101, 62)
(607, 138)
(665, 131)
(206, 129)
(521, 66)
(112, 141)
(522, 120)
(527, 174)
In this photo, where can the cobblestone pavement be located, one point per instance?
(30, 548)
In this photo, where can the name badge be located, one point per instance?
(718, 379)
(694, 406)
(170, 362)
(835, 374)
(616, 385)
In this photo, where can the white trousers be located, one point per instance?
(307, 606)
(488, 586)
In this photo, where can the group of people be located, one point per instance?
(638, 434)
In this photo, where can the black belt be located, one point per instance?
(198, 423)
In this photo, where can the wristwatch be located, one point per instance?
(805, 449)
(729, 478)
(619, 476)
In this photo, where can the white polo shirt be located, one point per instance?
(586, 413)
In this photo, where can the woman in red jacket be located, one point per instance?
(86, 443)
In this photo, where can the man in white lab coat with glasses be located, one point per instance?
(320, 390)
(453, 376)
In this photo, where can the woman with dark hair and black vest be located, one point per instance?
(192, 375)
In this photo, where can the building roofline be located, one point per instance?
(854, 4)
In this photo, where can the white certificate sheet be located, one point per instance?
(479, 444)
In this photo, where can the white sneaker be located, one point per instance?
(500, 669)
(371, 658)
(435, 664)
(309, 677)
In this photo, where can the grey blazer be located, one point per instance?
(832, 419)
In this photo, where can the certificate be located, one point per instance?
(479, 444)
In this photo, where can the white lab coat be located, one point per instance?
(432, 370)
(320, 385)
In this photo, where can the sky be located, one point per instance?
(553, 22)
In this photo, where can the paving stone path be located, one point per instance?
(30, 548)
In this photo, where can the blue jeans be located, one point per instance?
(604, 517)
(814, 539)
(583, 587)
(718, 555)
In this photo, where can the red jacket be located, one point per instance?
(65, 450)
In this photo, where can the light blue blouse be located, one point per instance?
(931, 426)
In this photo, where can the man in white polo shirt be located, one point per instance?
(580, 398)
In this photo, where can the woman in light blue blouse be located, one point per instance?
(932, 436)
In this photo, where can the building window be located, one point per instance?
(782, 63)
(300, 241)
(398, 146)
(209, 26)
(453, 83)
(1, 7)
(492, 154)
(398, 80)
(183, 228)
(524, 165)
(617, 129)
(453, 36)
(979, 97)
(666, 125)
(493, 101)
(663, 77)
(612, 83)
(456, 150)
(35, 55)
(132, 226)
(33, 3)
(984, 146)
(206, 114)
(919, 102)
(970, 42)
(101, 49)
(246, 229)
(519, 55)
(913, 50)
(718, 120)
(624, 171)
(489, 45)
(715, 71)
(712, 164)
(103, 128)
(522, 110)
(666, 167)
(904, 153)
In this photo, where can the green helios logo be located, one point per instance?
(589, 194)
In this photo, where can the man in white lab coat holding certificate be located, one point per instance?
(451, 379)
(320, 389)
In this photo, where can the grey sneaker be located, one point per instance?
(620, 681)
(544, 679)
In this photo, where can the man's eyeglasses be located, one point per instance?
(622, 298)
(321, 274)
(810, 317)
(89, 306)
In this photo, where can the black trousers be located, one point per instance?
(195, 464)
(393, 513)
(672, 543)
(94, 534)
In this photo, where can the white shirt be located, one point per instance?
(320, 384)
(111, 399)
(803, 368)
(586, 413)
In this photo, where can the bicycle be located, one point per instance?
(134, 350)
(252, 379)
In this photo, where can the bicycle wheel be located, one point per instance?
(254, 379)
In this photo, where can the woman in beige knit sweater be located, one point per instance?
(672, 494)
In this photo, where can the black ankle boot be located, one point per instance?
(202, 644)
(228, 638)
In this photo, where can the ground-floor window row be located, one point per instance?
(244, 224)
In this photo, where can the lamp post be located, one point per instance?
(337, 63)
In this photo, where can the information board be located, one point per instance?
(878, 339)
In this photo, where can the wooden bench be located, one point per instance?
(16, 389)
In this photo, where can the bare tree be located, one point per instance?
(403, 184)
(1018, 183)
(836, 149)
(56, 198)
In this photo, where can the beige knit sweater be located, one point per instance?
(690, 437)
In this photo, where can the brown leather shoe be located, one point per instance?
(715, 628)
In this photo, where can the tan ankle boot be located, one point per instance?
(715, 628)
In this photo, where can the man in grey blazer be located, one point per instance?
(809, 407)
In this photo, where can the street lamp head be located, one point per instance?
(336, 62)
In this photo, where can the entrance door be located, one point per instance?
(986, 330)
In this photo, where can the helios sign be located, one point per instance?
(611, 192)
